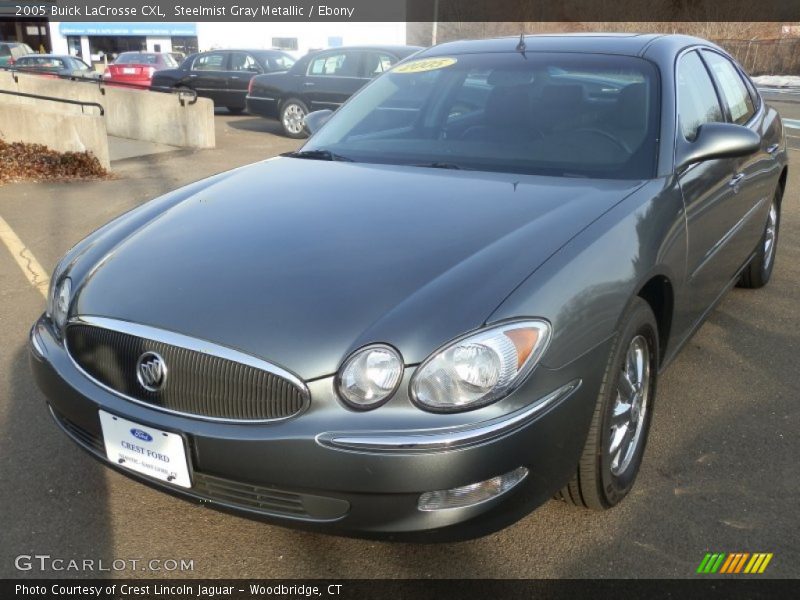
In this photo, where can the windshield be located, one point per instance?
(580, 115)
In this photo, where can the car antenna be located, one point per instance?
(521, 45)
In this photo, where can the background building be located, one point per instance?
(96, 40)
(32, 31)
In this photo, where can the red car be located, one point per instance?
(136, 69)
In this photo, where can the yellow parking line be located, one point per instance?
(33, 271)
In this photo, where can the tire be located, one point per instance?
(603, 478)
(235, 110)
(291, 110)
(758, 272)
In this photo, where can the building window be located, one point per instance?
(74, 45)
(283, 43)
(108, 47)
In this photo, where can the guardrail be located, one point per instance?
(80, 103)
(182, 92)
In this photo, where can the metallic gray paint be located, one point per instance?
(301, 262)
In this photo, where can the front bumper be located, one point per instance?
(337, 471)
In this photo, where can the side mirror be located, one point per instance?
(317, 119)
(718, 140)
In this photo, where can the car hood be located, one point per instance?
(301, 261)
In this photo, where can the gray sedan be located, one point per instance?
(453, 303)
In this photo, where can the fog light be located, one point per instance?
(475, 493)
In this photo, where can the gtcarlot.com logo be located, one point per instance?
(734, 563)
(46, 562)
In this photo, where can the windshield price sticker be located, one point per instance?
(427, 64)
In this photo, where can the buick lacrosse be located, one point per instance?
(453, 303)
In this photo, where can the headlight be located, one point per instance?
(480, 368)
(370, 376)
(58, 307)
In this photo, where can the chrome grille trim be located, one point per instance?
(184, 342)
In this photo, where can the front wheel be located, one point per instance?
(621, 421)
(293, 114)
(758, 272)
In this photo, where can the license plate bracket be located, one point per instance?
(147, 450)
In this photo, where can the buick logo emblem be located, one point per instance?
(151, 371)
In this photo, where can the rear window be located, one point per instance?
(18, 50)
(139, 58)
(5, 51)
(574, 115)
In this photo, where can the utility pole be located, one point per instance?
(435, 24)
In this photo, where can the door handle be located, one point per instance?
(773, 148)
(192, 75)
(308, 83)
(736, 180)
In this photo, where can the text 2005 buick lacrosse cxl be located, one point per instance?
(450, 305)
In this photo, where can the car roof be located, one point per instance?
(397, 48)
(254, 50)
(36, 55)
(632, 44)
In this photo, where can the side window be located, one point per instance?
(342, 64)
(378, 62)
(697, 100)
(241, 61)
(282, 62)
(734, 92)
(214, 61)
(753, 92)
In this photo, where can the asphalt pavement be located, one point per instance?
(721, 472)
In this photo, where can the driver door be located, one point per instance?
(709, 192)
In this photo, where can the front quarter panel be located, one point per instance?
(584, 288)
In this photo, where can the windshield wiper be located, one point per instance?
(442, 165)
(317, 155)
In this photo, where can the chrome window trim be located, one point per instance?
(447, 439)
(189, 343)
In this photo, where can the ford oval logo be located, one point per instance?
(142, 435)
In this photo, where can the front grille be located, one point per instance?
(81, 435)
(197, 383)
(247, 496)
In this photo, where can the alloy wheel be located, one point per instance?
(293, 119)
(769, 237)
(630, 406)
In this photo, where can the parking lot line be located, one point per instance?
(31, 268)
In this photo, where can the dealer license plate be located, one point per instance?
(146, 450)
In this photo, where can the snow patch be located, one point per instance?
(777, 80)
